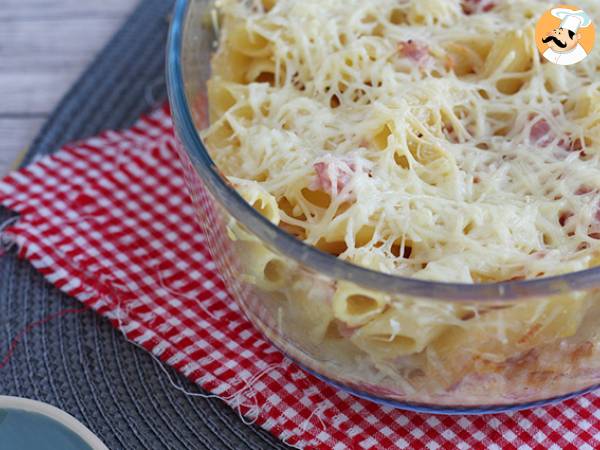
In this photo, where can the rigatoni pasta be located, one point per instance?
(355, 306)
(402, 330)
(262, 267)
(494, 336)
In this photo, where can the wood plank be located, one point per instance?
(60, 9)
(15, 136)
(44, 47)
(33, 93)
(47, 45)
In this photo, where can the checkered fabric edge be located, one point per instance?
(108, 220)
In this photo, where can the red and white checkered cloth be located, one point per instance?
(109, 221)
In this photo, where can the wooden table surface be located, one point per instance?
(44, 47)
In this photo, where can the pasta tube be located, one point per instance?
(496, 335)
(355, 306)
(261, 267)
(401, 330)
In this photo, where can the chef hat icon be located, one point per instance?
(572, 20)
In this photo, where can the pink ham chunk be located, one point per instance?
(541, 134)
(345, 330)
(335, 173)
(584, 190)
(450, 134)
(594, 231)
(415, 51)
(477, 6)
(564, 217)
(594, 228)
(571, 145)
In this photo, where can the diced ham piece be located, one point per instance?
(450, 134)
(576, 145)
(564, 217)
(594, 231)
(334, 173)
(583, 190)
(333, 176)
(200, 111)
(541, 133)
(415, 51)
(571, 145)
(345, 330)
(477, 6)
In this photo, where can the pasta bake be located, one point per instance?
(419, 138)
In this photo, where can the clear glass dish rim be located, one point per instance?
(320, 262)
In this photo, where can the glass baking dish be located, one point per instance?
(451, 348)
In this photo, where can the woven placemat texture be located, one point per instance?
(78, 361)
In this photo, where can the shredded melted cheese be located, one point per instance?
(417, 138)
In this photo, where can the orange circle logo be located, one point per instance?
(565, 35)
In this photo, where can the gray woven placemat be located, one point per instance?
(79, 362)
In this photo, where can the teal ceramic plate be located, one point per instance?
(28, 424)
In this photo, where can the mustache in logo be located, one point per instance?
(555, 40)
